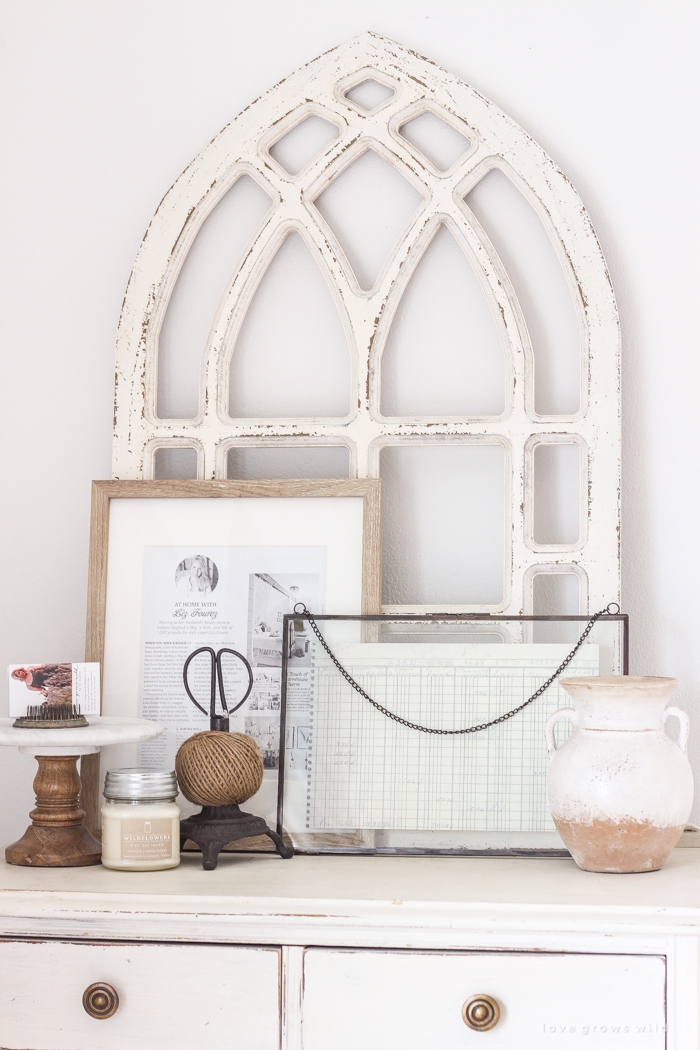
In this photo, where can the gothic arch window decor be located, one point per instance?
(367, 101)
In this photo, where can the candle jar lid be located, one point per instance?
(140, 784)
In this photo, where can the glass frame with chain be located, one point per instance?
(614, 648)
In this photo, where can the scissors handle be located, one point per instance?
(221, 679)
(219, 722)
(214, 668)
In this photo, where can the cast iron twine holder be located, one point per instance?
(215, 826)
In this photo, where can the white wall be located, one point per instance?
(104, 103)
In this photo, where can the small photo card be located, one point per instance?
(32, 684)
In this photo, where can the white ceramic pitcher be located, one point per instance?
(620, 790)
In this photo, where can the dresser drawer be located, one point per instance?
(171, 997)
(377, 1000)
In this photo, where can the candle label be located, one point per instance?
(146, 839)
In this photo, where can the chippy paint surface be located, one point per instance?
(417, 909)
(224, 990)
(496, 142)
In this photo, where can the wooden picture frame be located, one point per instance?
(104, 492)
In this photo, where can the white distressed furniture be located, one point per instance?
(366, 953)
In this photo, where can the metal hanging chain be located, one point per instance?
(452, 732)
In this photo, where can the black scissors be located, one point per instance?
(217, 722)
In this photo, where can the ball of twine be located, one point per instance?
(219, 769)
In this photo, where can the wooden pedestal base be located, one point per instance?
(57, 837)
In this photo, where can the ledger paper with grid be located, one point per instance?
(366, 771)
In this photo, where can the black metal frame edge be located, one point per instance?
(407, 851)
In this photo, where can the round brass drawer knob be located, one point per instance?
(100, 1000)
(481, 1012)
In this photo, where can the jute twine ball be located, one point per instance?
(219, 769)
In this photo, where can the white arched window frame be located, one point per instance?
(495, 141)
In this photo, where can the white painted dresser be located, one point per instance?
(368, 953)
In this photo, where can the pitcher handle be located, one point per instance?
(563, 712)
(684, 724)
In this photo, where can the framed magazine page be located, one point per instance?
(177, 565)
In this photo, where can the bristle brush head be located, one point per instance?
(52, 716)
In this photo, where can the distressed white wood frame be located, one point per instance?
(495, 142)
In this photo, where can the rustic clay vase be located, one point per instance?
(620, 789)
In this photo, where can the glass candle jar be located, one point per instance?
(140, 820)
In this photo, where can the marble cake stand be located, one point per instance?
(57, 836)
